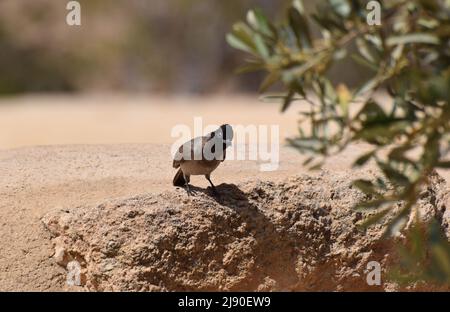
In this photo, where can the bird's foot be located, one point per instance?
(190, 191)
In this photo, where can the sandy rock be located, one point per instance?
(300, 234)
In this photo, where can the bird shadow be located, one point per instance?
(229, 195)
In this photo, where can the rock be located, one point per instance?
(61, 256)
(300, 234)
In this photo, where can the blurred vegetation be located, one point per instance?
(408, 55)
(162, 46)
(133, 45)
(426, 257)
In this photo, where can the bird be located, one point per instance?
(201, 156)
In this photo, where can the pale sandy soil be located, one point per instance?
(108, 119)
(37, 179)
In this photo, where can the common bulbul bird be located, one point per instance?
(201, 156)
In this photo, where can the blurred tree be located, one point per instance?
(134, 45)
(408, 54)
(426, 257)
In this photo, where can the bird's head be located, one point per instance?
(224, 133)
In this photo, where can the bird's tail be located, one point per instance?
(179, 180)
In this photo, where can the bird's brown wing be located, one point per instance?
(179, 158)
(176, 164)
(224, 148)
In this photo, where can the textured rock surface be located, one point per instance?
(300, 234)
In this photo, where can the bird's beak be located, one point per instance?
(228, 142)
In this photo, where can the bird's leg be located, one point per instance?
(186, 180)
(208, 177)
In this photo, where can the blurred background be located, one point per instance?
(162, 46)
(151, 49)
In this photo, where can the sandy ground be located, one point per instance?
(36, 179)
(112, 119)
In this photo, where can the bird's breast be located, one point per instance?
(199, 167)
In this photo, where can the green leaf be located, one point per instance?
(365, 186)
(362, 160)
(396, 224)
(368, 86)
(259, 22)
(307, 144)
(277, 98)
(371, 205)
(372, 113)
(442, 258)
(340, 54)
(252, 67)
(308, 161)
(413, 38)
(261, 46)
(300, 27)
(238, 44)
(362, 61)
(398, 52)
(377, 127)
(393, 175)
(317, 167)
(270, 80)
(376, 218)
(332, 24)
(341, 7)
(297, 87)
(298, 4)
(241, 38)
(428, 23)
(398, 154)
(367, 51)
(291, 74)
(287, 101)
(344, 97)
(375, 41)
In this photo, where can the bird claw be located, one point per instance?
(189, 191)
